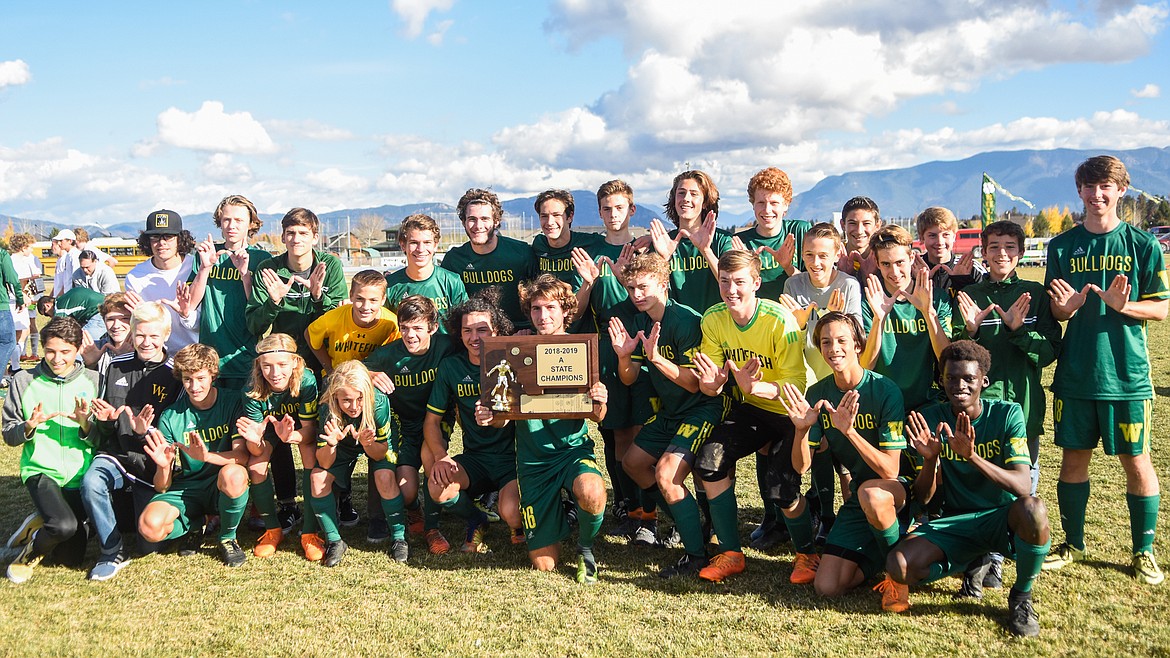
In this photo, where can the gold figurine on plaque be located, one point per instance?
(504, 378)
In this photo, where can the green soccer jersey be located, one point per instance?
(772, 273)
(219, 321)
(510, 263)
(607, 291)
(302, 406)
(1017, 357)
(1000, 438)
(443, 287)
(1104, 355)
(541, 441)
(413, 376)
(772, 334)
(384, 423)
(293, 314)
(215, 426)
(457, 386)
(907, 356)
(679, 337)
(558, 262)
(691, 280)
(879, 420)
(81, 304)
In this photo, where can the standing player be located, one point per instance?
(418, 236)
(755, 345)
(1107, 279)
(554, 454)
(64, 246)
(692, 206)
(554, 250)
(860, 218)
(774, 238)
(489, 258)
(158, 278)
(856, 415)
(280, 407)
(488, 460)
(355, 419)
(628, 406)
(406, 370)
(907, 322)
(199, 429)
(975, 456)
(666, 335)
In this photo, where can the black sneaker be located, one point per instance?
(377, 531)
(334, 551)
(399, 550)
(570, 512)
(994, 577)
(688, 565)
(826, 524)
(231, 553)
(1022, 618)
(346, 514)
(770, 540)
(646, 534)
(289, 515)
(620, 510)
(672, 540)
(766, 526)
(972, 586)
(627, 528)
(190, 543)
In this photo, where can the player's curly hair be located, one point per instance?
(552, 288)
(706, 185)
(254, 221)
(966, 350)
(770, 180)
(195, 357)
(186, 243)
(351, 374)
(18, 242)
(837, 316)
(648, 263)
(258, 386)
(63, 327)
(485, 300)
(479, 196)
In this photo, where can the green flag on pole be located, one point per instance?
(988, 200)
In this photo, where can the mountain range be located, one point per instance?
(1044, 177)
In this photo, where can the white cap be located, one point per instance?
(66, 234)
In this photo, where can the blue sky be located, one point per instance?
(112, 110)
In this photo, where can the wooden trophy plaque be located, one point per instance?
(529, 377)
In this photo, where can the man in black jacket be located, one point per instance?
(136, 387)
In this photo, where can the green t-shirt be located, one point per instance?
(443, 287)
(691, 280)
(1104, 354)
(1000, 438)
(879, 420)
(679, 337)
(559, 263)
(772, 274)
(297, 310)
(385, 427)
(215, 426)
(302, 407)
(510, 263)
(907, 356)
(219, 314)
(457, 386)
(541, 441)
(1017, 357)
(607, 291)
(81, 304)
(413, 377)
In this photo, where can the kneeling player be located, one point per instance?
(355, 419)
(977, 458)
(556, 454)
(856, 415)
(212, 477)
(280, 407)
(663, 454)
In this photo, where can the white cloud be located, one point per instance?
(414, 13)
(1151, 90)
(222, 168)
(436, 38)
(309, 129)
(211, 129)
(14, 72)
(333, 179)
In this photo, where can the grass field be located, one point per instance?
(496, 605)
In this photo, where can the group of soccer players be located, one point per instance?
(912, 379)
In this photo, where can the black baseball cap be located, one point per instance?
(163, 222)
